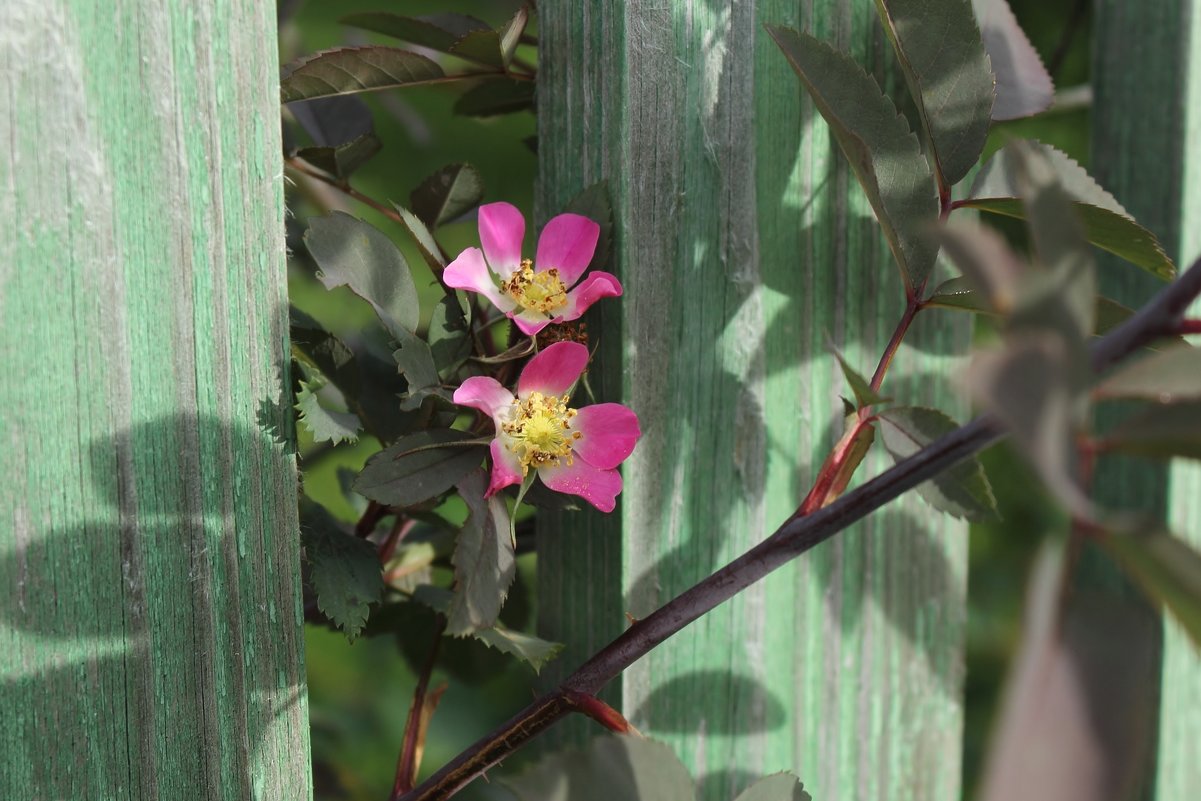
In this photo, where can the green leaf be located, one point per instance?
(1106, 223)
(532, 650)
(946, 67)
(342, 160)
(346, 70)
(963, 490)
(594, 204)
(776, 787)
(1065, 289)
(435, 31)
(352, 253)
(1160, 431)
(1170, 376)
(416, 363)
(449, 336)
(483, 559)
(325, 425)
(1027, 385)
(625, 767)
(418, 467)
(492, 48)
(1024, 86)
(427, 246)
(988, 265)
(450, 192)
(344, 570)
(864, 394)
(493, 98)
(883, 153)
(1167, 568)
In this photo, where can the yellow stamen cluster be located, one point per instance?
(539, 431)
(541, 291)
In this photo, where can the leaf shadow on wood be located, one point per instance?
(134, 628)
(748, 705)
(895, 565)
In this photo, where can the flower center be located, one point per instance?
(542, 291)
(539, 431)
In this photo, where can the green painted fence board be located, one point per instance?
(150, 635)
(742, 242)
(1146, 122)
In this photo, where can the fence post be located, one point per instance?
(150, 637)
(1147, 111)
(743, 242)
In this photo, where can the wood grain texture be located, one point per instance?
(150, 638)
(743, 241)
(1146, 122)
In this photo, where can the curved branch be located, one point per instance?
(798, 534)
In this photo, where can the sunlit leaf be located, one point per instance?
(1166, 567)
(962, 490)
(1161, 431)
(946, 67)
(1170, 376)
(532, 650)
(325, 425)
(427, 246)
(1106, 223)
(344, 571)
(345, 70)
(862, 389)
(626, 767)
(875, 138)
(1024, 87)
(493, 48)
(418, 467)
(352, 253)
(1065, 289)
(483, 559)
(448, 193)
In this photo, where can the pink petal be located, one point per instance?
(596, 286)
(501, 230)
(470, 272)
(598, 487)
(506, 468)
(484, 393)
(567, 243)
(530, 321)
(554, 370)
(608, 432)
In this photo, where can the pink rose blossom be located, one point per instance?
(575, 451)
(533, 293)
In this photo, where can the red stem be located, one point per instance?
(406, 763)
(1189, 326)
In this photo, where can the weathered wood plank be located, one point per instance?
(150, 646)
(742, 242)
(1147, 111)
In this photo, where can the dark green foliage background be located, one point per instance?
(360, 693)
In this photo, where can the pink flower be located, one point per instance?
(539, 292)
(575, 451)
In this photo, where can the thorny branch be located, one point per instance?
(1163, 316)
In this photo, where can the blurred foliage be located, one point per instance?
(359, 694)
